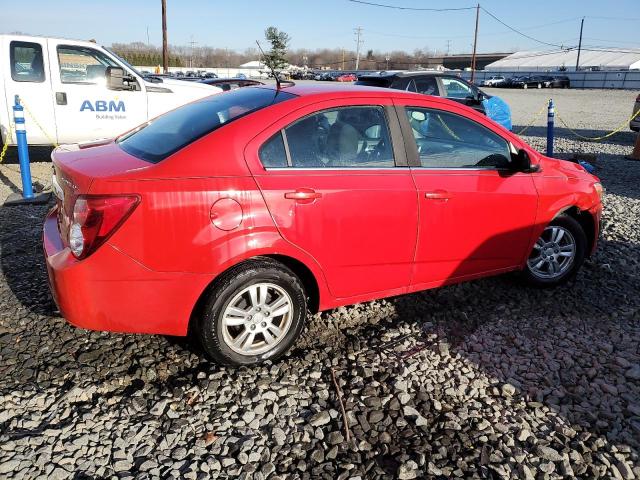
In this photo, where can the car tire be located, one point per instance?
(538, 271)
(216, 322)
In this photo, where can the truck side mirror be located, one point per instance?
(115, 78)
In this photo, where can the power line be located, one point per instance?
(518, 31)
(397, 7)
(621, 42)
(614, 18)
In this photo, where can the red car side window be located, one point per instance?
(447, 140)
(351, 137)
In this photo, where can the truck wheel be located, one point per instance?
(254, 313)
(557, 255)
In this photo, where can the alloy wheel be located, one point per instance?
(553, 253)
(257, 319)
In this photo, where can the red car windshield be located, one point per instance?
(156, 140)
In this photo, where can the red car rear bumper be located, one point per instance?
(111, 291)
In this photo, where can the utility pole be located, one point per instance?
(579, 45)
(387, 58)
(148, 42)
(343, 59)
(165, 49)
(448, 47)
(475, 45)
(358, 32)
(192, 43)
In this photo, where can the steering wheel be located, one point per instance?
(379, 149)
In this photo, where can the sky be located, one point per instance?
(331, 23)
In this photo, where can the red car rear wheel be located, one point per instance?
(255, 312)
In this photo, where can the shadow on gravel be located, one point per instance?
(609, 166)
(620, 138)
(8, 183)
(36, 154)
(568, 348)
(22, 259)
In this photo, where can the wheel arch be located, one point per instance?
(302, 271)
(586, 221)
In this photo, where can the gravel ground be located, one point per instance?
(487, 379)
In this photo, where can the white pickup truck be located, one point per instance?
(75, 91)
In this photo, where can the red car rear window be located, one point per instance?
(156, 140)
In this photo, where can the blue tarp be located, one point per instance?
(498, 111)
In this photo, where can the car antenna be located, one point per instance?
(273, 72)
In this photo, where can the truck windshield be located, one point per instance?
(156, 140)
(122, 60)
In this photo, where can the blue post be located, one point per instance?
(551, 113)
(23, 149)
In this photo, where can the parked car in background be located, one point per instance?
(536, 81)
(635, 123)
(443, 85)
(560, 81)
(328, 76)
(493, 81)
(234, 216)
(346, 77)
(527, 82)
(227, 84)
(303, 75)
(209, 75)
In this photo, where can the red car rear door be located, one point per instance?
(476, 214)
(335, 180)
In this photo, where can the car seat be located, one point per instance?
(342, 144)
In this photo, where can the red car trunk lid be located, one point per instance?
(75, 170)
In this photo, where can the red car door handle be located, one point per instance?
(303, 194)
(437, 195)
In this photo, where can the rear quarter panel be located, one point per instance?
(172, 228)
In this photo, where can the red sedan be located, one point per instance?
(236, 215)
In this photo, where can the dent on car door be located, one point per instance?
(476, 213)
(335, 180)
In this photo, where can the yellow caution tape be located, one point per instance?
(35, 120)
(535, 117)
(595, 139)
(12, 129)
(6, 145)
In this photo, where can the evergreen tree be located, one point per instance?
(276, 57)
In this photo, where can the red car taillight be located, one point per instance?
(95, 218)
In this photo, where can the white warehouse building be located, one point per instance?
(565, 60)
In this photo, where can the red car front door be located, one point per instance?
(335, 181)
(476, 213)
